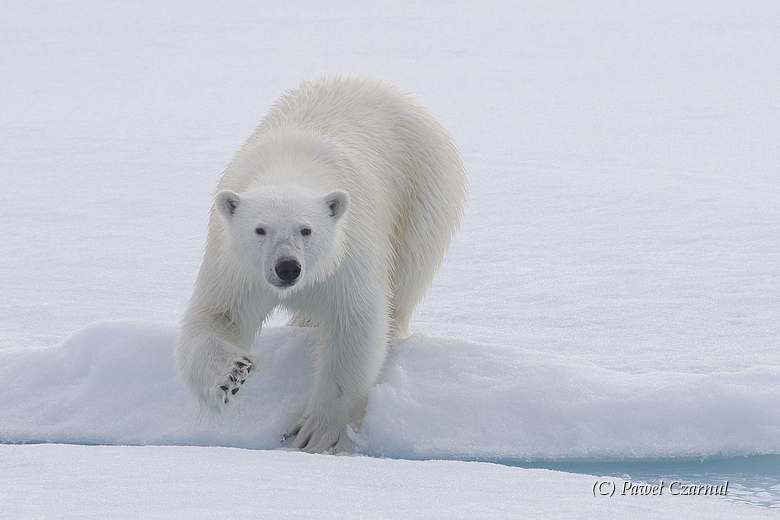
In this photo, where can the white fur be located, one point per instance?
(380, 187)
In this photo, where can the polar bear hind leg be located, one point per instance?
(427, 229)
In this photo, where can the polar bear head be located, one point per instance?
(285, 235)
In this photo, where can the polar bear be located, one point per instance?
(338, 208)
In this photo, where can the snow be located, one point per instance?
(438, 398)
(191, 482)
(613, 294)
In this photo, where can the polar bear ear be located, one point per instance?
(338, 202)
(227, 203)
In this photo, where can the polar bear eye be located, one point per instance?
(306, 231)
(260, 231)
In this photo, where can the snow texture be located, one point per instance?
(191, 482)
(115, 383)
(614, 290)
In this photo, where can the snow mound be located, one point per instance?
(115, 383)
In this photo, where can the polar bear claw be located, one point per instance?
(234, 379)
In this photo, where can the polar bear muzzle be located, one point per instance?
(288, 270)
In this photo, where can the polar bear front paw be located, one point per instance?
(315, 435)
(236, 376)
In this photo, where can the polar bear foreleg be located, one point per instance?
(213, 348)
(213, 367)
(347, 363)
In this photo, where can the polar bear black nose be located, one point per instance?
(288, 270)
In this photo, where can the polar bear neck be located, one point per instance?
(285, 155)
